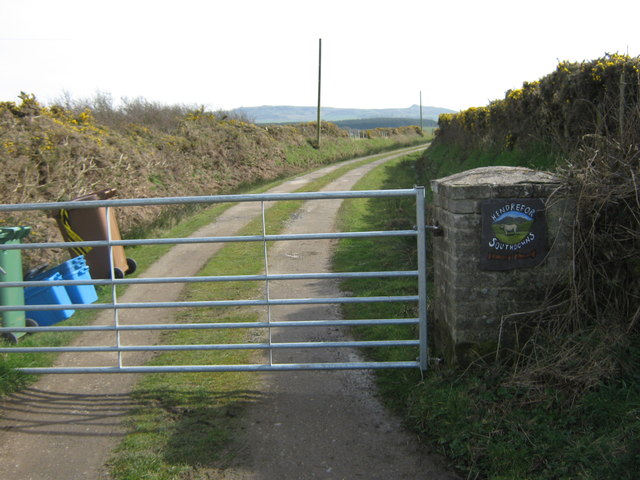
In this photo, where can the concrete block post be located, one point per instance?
(505, 243)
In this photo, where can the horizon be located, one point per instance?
(89, 98)
(346, 108)
(294, 114)
(267, 53)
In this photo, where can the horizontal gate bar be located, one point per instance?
(225, 368)
(213, 303)
(197, 240)
(209, 326)
(210, 279)
(115, 306)
(257, 197)
(207, 347)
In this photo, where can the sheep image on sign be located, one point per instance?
(514, 233)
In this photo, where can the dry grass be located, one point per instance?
(586, 334)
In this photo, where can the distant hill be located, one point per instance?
(369, 123)
(291, 114)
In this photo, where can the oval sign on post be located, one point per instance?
(514, 233)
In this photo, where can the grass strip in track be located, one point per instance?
(389, 253)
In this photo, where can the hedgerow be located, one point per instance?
(565, 404)
(59, 152)
(599, 97)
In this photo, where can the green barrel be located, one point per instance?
(11, 271)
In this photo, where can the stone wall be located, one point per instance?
(485, 286)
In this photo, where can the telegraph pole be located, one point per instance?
(421, 131)
(319, 84)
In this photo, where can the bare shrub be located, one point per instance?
(587, 335)
(138, 111)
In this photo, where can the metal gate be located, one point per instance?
(110, 337)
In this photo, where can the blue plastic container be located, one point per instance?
(81, 293)
(74, 269)
(48, 295)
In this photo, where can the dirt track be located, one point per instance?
(307, 425)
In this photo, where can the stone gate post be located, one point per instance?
(505, 244)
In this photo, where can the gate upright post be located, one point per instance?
(422, 277)
(114, 294)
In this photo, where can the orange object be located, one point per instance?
(87, 224)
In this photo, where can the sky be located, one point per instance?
(241, 53)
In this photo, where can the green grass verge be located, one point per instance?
(490, 429)
(443, 160)
(342, 149)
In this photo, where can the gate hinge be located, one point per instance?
(436, 229)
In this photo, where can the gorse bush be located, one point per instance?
(599, 97)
